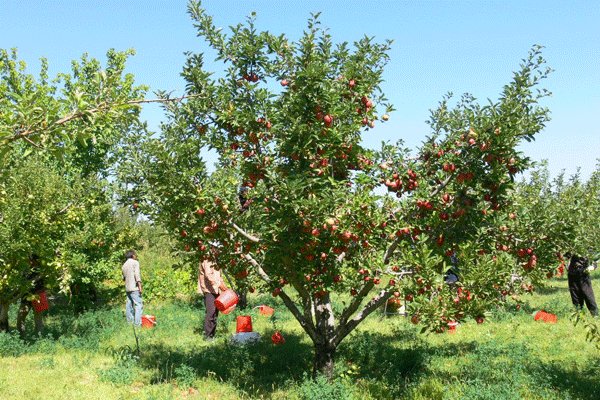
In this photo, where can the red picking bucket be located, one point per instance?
(244, 324)
(230, 309)
(41, 304)
(226, 299)
(266, 310)
(545, 317)
(148, 321)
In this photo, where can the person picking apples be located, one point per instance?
(580, 283)
(210, 285)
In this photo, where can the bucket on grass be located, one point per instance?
(452, 326)
(148, 321)
(545, 317)
(244, 324)
(226, 299)
(266, 310)
(41, 304)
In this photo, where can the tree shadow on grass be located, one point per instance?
(261, 368)
(547, 290)
(254, 368)
(580, 384)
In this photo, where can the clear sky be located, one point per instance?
(439, 46)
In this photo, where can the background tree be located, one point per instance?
(559, 215)
(329, 217)
(58, 141)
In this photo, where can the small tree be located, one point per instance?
(328, 216)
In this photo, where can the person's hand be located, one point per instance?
(223, 287)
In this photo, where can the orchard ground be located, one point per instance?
(509, 356)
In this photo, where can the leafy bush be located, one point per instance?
(11, 345)
(322, 389)
(185, 375)
(124, 371)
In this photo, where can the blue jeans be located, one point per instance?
(133, 307)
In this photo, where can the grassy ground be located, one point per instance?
(511, 356)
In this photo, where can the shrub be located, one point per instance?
(322, 389)
(11, 345)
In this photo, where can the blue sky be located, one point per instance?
(439, 46)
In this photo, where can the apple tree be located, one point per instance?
(558, 215)
(59, 139)
(325, 218)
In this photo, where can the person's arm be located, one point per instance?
(137, 276)
(213, 276)
(222, 286)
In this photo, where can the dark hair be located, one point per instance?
(130, 254)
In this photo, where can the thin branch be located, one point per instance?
(390, 251)
(345, 326)
(62, 121)
(65, 208)
(442, 186)
(32, 143)
(245, 234)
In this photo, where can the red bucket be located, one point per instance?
(226, 299)
(148, 321)
(244, 324)
(545, 317)
(230, 309)
(40, 304)
(266, 310)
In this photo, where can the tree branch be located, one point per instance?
(307, 325)
(351, 309)
(24, 135)
(442, 185)
(244, 233)
(390, 251)
(345, 329)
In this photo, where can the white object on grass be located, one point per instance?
(245, 338)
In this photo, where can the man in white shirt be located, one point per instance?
(133, 288)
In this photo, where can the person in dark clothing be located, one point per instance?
(580, 284)
(37, 286)
(243, 198)
(452, 274)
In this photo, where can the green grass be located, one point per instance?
(510, 356)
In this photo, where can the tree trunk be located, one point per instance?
(324, 360)
(325, 346)
(243, 299)
(4, 317)
(21, 317)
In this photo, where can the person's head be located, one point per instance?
(131, 254)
